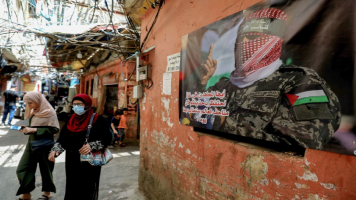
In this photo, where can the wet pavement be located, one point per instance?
(119, 179)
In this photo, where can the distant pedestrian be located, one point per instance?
(82, 179)
(43, 124)
(45, 94)
(11, 96)
(23, 94)
(115, 121)
(52, 98)
(123, 127)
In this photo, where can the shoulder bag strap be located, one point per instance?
(89, 127)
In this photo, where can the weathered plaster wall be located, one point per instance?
(103, 72)
(110, 72)
(2, 90)
(3, 85)
(178, 163)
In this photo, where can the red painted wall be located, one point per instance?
(103, 69)
(3, 82)
(178, 163)
(110, 73)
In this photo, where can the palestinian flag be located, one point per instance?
(309, 94)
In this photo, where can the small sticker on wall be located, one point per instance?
(173, 63)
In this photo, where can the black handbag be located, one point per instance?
(40, 144)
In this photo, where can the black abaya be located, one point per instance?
(82, 179)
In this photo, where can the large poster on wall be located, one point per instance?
(280, 71)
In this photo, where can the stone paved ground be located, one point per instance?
(119, 179)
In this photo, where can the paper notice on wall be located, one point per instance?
(173, 63)
(95, 86)
(167, 83)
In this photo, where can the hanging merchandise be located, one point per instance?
(72, 92)
(53, 85)
(74, 81)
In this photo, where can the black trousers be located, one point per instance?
(27, 169)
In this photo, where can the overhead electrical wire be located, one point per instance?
(112, 23)
(70, 20)
(9, 18)
(70, 39)
(153, 23)
(133, 33)
(113, 28)
(131, 23)
(137, 39)
(149, 83)
(64, 39)
(93, 11)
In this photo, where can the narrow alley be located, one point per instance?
(119, 179)
(196, 99)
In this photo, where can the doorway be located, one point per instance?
(111, 100)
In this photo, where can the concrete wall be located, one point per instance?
(178, 163)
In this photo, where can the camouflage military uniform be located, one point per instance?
(263, 111)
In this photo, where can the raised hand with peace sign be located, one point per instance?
(208, 68)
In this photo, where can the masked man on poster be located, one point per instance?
(266, 99)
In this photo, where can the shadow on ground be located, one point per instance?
(119, 179)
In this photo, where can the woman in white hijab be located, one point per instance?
(43, 124)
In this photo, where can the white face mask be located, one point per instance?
(79, 110)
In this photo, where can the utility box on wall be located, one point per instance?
(137, 92)
(141, 73)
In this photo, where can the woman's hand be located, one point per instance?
(115, 132)
(52, 156)
(27, 130)
(85, 149)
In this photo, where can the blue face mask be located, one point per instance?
(79, 110)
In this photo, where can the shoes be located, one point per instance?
(7, 124)
(44, 197)
(2, 124)
(26, 199)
